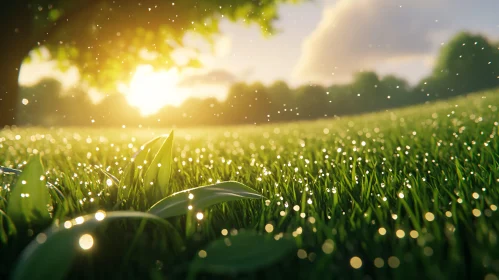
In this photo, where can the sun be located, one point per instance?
(150, 91)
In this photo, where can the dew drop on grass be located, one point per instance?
(269, 228)
(429, 217)
(202, 254)
(68, 224)
(41, 238)
(199, 216)
(476, 212)
(100, 215)
(379, 263)
(302, 254)
(356, 262)
(328, 246)
(393, 262)
(79, 220)
(86, 241)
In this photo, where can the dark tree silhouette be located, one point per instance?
(35, 112)
(282, 100)
(312, 102)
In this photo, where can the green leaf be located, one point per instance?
(30, 197)
(6, 170)
(202, 197)
(132, 174)
(160, 169)
(245, 252)
(51, 254)
(141, 155)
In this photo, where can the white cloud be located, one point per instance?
(41, 66)
(357, 35)
(212, 77)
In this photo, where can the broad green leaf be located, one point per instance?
(131, 174)
(51, 254)
(131, 171)
(202, 197)
(245, 252)
(51, 186)
(160, 168)
(30, 197)
(141, 154)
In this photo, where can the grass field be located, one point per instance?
(406, 194)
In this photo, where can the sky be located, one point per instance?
(324, 42)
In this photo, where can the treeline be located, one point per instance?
(466, 64)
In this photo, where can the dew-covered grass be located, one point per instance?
(411, 193)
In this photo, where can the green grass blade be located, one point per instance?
(51, 254)
(30, 197)
(160, 169)
(245, 252)
(202, 197)
(110, 176)
(9, 170)
(9, 229)
(141, 154)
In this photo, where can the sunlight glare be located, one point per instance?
(150, 90)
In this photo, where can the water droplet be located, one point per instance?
(86, 241)
(356, 262)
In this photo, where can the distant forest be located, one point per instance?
(468, 63)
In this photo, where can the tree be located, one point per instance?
(365, 86)
(35, 112)
(283, 101)
(396, 92)
(115, 110)
(468, 63)
(249, 104)
(312, 102)
(107, 39)
(76, 108)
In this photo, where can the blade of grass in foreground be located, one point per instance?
(51, 254)
(202, 197)
(160, 168)
(245, 252)
(30, 197)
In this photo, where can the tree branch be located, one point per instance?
(65, 18)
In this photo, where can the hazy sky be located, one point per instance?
(325, 41)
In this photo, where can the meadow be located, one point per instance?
(405, 194)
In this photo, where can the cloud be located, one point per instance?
(357, 35)
(213, 77)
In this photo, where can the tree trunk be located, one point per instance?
(15, 34)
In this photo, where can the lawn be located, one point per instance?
(406, 194)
